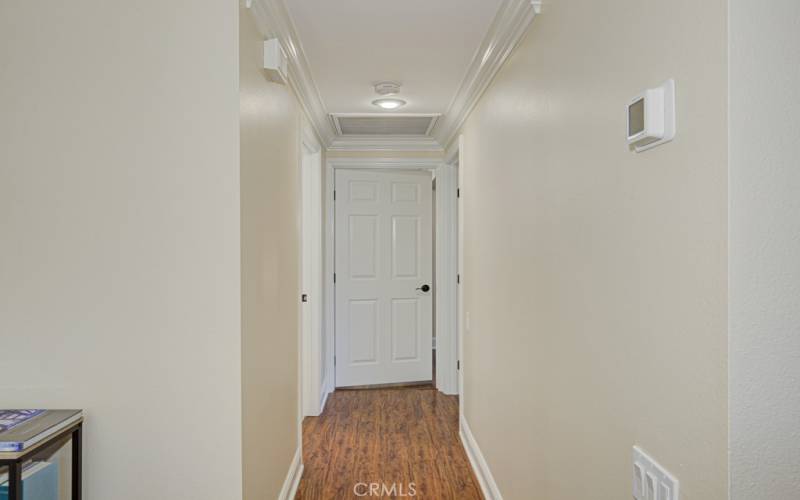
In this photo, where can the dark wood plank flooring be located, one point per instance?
(387, 436)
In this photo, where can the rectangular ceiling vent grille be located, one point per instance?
(384, 124)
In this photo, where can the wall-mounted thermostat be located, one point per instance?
(275, 61)
(651, 117)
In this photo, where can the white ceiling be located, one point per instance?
(426, 45)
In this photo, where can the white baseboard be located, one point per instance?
(479, 465)
(325, 395)
(292, 481)
(326, 391)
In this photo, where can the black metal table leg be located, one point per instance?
(15, 481)
(76, 463)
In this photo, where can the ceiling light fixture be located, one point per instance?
(386, 89)
(389, 103)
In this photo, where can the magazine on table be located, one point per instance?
(21, 429)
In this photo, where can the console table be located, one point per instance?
(15, 460)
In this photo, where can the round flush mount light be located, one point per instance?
(389, 103)
(388, 91)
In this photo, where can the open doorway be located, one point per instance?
(355, 270)
(392, 428)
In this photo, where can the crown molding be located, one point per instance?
(273, 21)
(384, 143)
(504, 34)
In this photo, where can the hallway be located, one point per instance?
(234, 233)
(392, 437)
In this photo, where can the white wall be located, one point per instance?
(119, 236)
(270, 125)
(764, 250)
(596, 278)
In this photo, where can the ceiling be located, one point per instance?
(425, 45)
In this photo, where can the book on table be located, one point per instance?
(21, 429)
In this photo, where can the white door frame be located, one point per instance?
(454, 157)
(310, 157)
(446, 354)
(446, 317)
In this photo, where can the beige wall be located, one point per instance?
(764, 251)
(270, 124)
(119, 236)
(595, 277)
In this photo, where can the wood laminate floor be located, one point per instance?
(389, 437)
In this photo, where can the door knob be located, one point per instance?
(424, 288)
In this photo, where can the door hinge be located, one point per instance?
(458, 365)
(334, 361)
(334, 195)
(334, 278)
(458, 193)
(304, 297)
(458, 279)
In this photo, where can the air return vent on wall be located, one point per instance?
(384, 124)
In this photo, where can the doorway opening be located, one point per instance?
(377, 224)
(391, 427)
(408, 309)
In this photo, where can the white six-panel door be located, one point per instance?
(384, 256)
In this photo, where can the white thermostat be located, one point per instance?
(651, 117)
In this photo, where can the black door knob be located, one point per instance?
(424, 288)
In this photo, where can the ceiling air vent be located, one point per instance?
(384, 124)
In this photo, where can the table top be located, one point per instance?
(10, 456)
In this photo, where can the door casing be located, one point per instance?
(447, 375)
(311, 277)
(455, 158)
